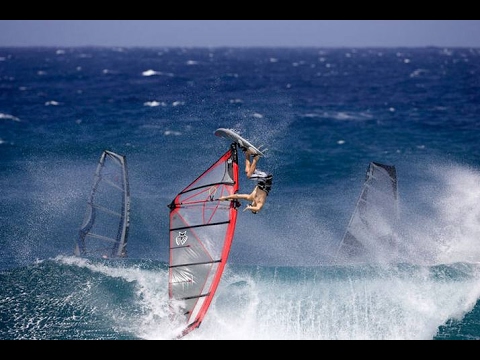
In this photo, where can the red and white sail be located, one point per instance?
(201, 233)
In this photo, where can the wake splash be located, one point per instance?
(440, 216)
(340, 303)
(81, 299)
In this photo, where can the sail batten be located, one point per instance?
(200, 263)
(96, 236)
(196, 297)
(104, 232)
(200, 225)
(201, 234)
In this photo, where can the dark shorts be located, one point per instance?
(265, 184)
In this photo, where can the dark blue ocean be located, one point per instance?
(324, 114)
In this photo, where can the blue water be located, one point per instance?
(324, 114)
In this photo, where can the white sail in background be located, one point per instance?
(371, 233)
(104, 231)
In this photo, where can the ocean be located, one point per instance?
(323, 113)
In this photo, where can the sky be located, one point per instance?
(241, 33)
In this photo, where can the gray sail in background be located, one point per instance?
(104, 232)
(370, 236)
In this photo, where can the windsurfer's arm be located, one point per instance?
(235, 196)
(255, 207)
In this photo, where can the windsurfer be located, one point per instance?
(258, 196)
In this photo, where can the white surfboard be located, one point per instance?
(235, 137)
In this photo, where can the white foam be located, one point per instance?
(150, 73)
(9, 117)
(154, 103)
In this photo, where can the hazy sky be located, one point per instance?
(213, 33)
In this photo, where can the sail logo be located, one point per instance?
(182, 238)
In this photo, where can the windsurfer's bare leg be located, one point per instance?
(250, 164)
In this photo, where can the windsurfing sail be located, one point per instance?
(104, 232)
(201, 233)
(371, 234)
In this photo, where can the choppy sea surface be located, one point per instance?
(323, 113)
